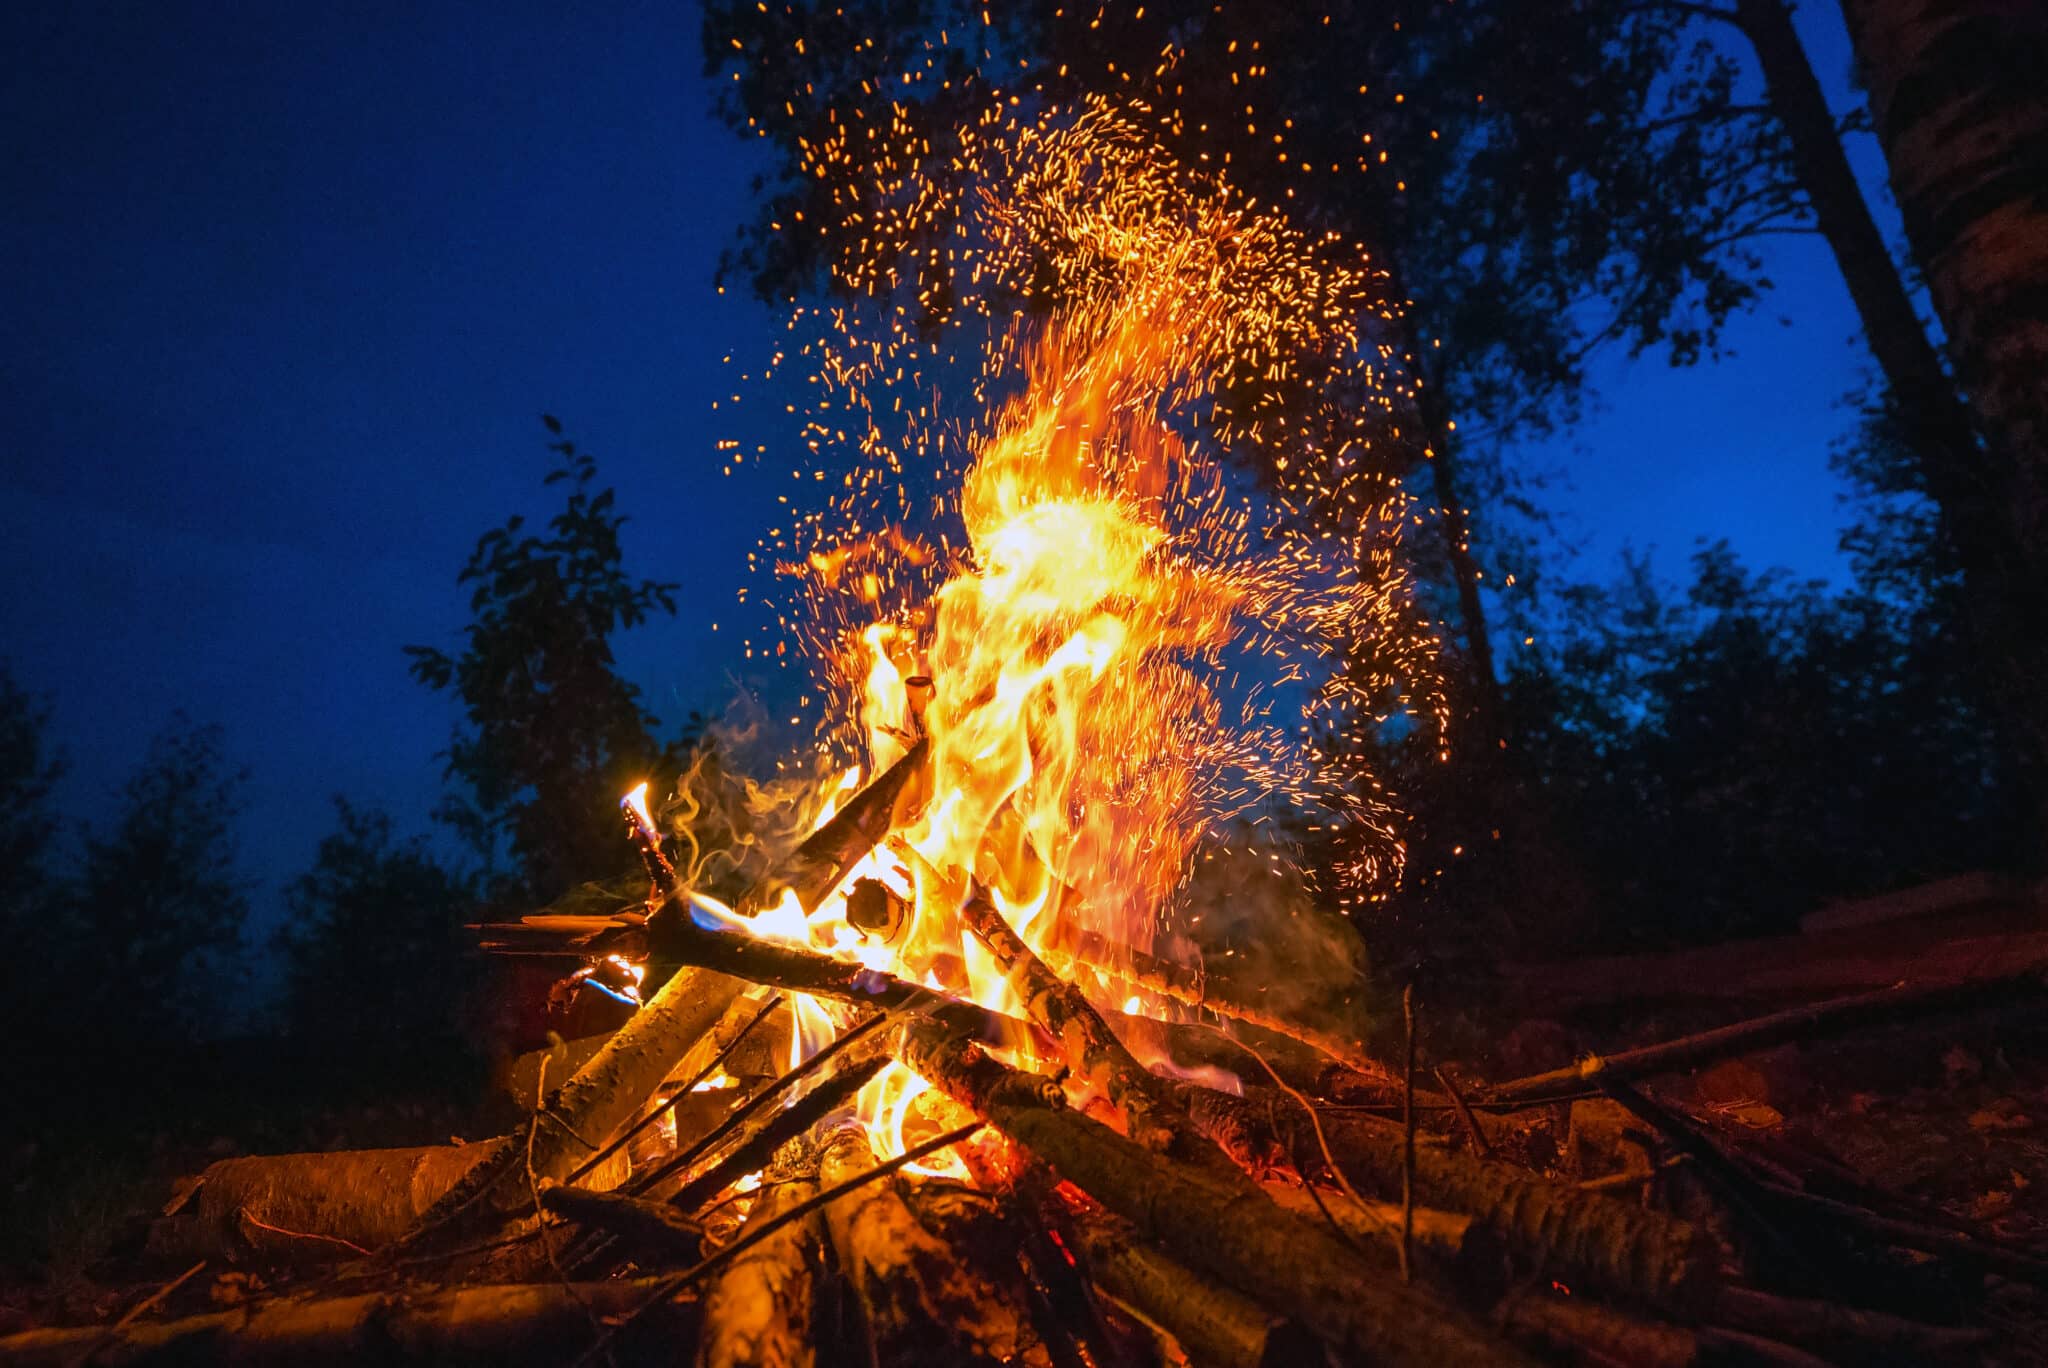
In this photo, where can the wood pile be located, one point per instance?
(1329, 1210)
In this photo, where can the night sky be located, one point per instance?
(286, 287)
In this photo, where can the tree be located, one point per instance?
(154, 916)
(1961, 110)
(28, 772)
(553, 736)
(375, 954)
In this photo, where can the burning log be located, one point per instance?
(301, 1209)
(1223, 1223)
(816, 867)
(758, 1313)
(1085, 1040)
(580, 1116)
(1584, 1237)
(920, 1299)
(537, 1322)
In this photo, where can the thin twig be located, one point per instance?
(684, 1159)
(752, 1237)
(1408, 1139)
(774, 1001)
(540, 1216)
(1465, 1115)
(128, 1318)
(1322, 1143)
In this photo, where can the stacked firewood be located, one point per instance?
(1331, 1210)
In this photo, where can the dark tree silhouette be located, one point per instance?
(375, 953)
(552, 734)
(155, 913)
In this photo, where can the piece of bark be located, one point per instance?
(1213, 1325)
(758, 1312)
(1581, 1237)
(578, 1117)
(526, 1323)
(1220, 1222)
(921, 1300)
(1813, 1021)
(298, 1210)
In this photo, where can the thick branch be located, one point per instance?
(1222, 1224)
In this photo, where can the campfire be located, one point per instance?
(949, 1082)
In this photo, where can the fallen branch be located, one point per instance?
(1929, 1239)
(783, 1125)
(538, 1322)
(1222, 1224)
(1814, 1021)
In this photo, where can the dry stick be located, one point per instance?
(1992, 1258)
(1408, 1137)
(1810, 1022)
(602, 1096)
(1335, 1169)
(759, 1145)
(1087, 1044)
(739, 1115)
(1465, 1116)
(724, 1052)
(134, 1313)
(668, 1287)
(1736, 1188)
(1220, 1221)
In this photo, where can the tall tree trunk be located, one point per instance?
(1961, 114)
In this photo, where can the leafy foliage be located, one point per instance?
(155, 913)
(553, 735)
(375, 952)
(1727, 759)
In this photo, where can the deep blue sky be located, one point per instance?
(283, 289)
